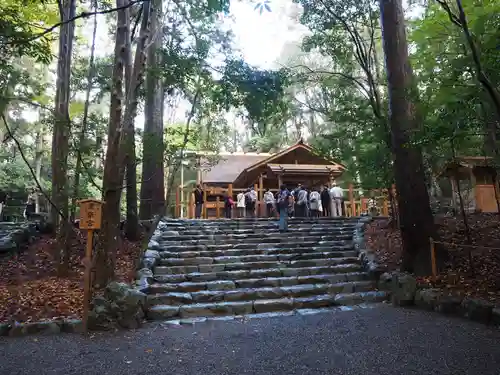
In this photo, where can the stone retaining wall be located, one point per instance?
(405, 291)
(46, 327)
(367, 257)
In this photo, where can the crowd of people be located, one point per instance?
(298, 202)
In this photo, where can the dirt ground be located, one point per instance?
(481, 279)
(30, 290)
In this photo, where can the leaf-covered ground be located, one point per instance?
(480, 280)
(30, 290)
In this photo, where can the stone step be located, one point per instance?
(309, 240)
(277, 236)
(273, 226)
(259, 226)
(166, 221)
(334, 252)
(163, 312)
(255, 258)
(211, 282)
(238, 245)
(277, 314)
(197, 275)
(252, 294)
(234, 266)
(256, 249)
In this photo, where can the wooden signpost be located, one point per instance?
(90, 220)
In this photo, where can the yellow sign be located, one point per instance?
(90, 214)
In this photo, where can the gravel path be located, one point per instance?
(372, 341)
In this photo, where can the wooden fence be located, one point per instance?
(355, 204)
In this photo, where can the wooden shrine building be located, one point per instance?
(477, 179)
(236, 172)
(296, 164)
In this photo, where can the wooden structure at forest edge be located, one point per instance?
(235, 172)
(479, 175)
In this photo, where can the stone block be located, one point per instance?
(427, 298)
(153, 245)
(385, 281)
(477, 309)
(239, 308)
(152, 254)
(149, 263)
(71, 326)
(300, 290)
(208, 296)
(348, 299)
(200, 276)
(220, 285)
(283, 304)
(495, 316)
(162, 312)
(449, 304)
(198, 309)
(403, 289)
(313, 302)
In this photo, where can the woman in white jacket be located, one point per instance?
(269, 202)
(314, 202)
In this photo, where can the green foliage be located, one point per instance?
(454, 105)
(260, 92)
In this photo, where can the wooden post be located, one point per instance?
(280, 181)
(364, 205)
(256, 188)
(385, 207)
(217, 207)
(177, 202)
(230, 191)
(90, 220)
(191, 206)
(351, 199)
(433, 260)
(261, 195)
(204, 213)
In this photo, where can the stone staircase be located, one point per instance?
(198, 269)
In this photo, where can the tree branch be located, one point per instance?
(33, 174)
(81, 15)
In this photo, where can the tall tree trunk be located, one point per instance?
(114, 166)
(416, 220)
(132, 219)
(104, 260)
(38, 160)
(152, 185)
(60, 138)
(83, 130)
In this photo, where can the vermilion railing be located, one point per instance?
(356, 201)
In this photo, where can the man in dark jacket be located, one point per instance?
(325, 201)
(198, 201)
(3, 201)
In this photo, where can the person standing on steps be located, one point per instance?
(283, 203)
(301, 205)
(295, 194)
(240, 204)
(3, 202)
(315, 202)
(270, 202)
(325, 201)
(228, 206)
(336, 195)
(250, 200)
(198, 201)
